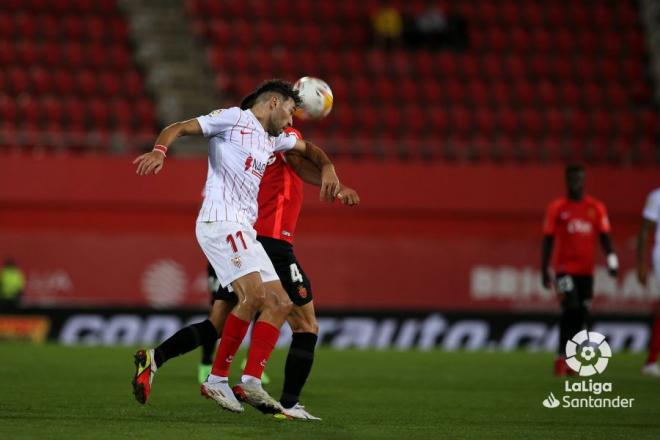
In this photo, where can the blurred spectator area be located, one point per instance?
(68, 81)
(535, 81)
(541, 81)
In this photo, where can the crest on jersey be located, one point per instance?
(248, 162)
(302, 291)
(272, 159)
(236, 261)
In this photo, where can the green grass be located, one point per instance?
(50, 391)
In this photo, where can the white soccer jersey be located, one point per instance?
(652, 212)
(239, 149)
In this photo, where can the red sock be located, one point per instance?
(232, 336)
(654, 346)
(264, 338)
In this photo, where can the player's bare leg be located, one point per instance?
(276, 307)
(251, 294)
(302, 320)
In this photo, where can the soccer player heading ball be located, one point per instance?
(240, 145)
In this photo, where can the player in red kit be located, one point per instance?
(572, 226)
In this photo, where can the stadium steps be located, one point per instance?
(175, 66)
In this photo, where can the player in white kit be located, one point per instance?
(240, 144)
(650, 218)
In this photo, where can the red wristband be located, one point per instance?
(161, 149)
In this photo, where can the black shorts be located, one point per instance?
(291, 274)
(577, 289)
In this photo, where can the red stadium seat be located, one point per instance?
(28, 52)
(87, 83)
(64, 82)
(18, 81)
(8, 110)
(29, 111)
(41, 81)
(74, 113)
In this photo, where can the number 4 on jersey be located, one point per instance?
(296, 276)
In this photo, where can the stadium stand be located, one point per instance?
(540, 80)
(68, 80)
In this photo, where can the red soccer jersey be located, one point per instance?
(280, 198)
(576, 226)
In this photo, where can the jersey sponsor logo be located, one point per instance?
(578, 226)
(256, 167)
(246, 132)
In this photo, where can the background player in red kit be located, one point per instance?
(279, 200)
(571, 228)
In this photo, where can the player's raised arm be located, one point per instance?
(153, 161)
(329, 180)
(311, 174)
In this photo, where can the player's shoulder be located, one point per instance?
(655, 195)
(557, 203)
(592, 201)
(225, 112)
(290, 131)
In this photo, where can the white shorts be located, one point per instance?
(233, 251)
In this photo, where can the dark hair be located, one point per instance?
(279, 86)
(574, 168)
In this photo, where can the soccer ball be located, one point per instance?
(316, 96)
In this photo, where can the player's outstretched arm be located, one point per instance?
(329, 180)
(642, 248)
(153, 161)
(311, 174)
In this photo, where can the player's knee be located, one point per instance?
(217, 322)
(255, 299)
(311, 327)
(302, 324)
(284, 307)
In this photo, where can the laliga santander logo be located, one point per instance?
(588, 353)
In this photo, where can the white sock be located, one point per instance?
(216, 379)
(250, 379)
